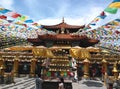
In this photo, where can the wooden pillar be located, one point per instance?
(33, 66)
(115, 71)
(86, 68)
(16, 65)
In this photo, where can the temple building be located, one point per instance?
(59, 50)
(63, 34)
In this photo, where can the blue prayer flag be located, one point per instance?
(3, 11)
(116, 0)
(117, 20)
(29, 21)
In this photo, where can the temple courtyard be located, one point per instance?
(29, 83)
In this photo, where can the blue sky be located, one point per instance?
(77, 12)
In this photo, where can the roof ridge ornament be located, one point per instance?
(63, 20)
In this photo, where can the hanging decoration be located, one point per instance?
(19, 22)
(111, 9)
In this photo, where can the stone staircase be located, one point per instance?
(21, 83)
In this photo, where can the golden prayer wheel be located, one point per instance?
(1, 61)
(15, 67)
(86, 68)
(2, 70)
(33, 66)
(115, 71)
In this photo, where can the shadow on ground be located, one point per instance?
(90, 83)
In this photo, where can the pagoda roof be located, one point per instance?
(61, 37)
(84, 40)
(63, 25)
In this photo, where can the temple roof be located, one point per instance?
(63, 25)
(62, 37)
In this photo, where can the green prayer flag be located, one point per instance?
(22, 18)
(111, 10)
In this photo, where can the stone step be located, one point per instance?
(21, 83)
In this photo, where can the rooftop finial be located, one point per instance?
(63, 19)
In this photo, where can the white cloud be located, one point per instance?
(51, 13)
(72, 21)
(7, 4)
(85, 19)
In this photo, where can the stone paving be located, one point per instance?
(88, 84)
(29, 83)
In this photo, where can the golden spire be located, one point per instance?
(63, 19)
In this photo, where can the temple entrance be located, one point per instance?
(24, 68)
(8, 66)
(95, 70)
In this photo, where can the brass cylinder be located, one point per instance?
(1, 61)
(2, 67)
(2, 70)
(33, 66)
(86, 68)
(15, 67)
(115, 71)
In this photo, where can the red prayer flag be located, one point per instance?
(24, 25)
(117, 32)
(3, 17)
(14, 14)
(35, 24)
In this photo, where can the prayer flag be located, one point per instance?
(10, 21)
(35, 24)
(29, 21)
(13, 14)
(3, 17)
(111, 10)
(117, 20)
(24, 25)
(22, 18)
(116, 1)
(114, 5)
(3, 11)
(102, 15)
(93, 24)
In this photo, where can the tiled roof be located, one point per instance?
(63, 25)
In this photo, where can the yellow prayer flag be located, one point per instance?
(115, 5)
(2, 8)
